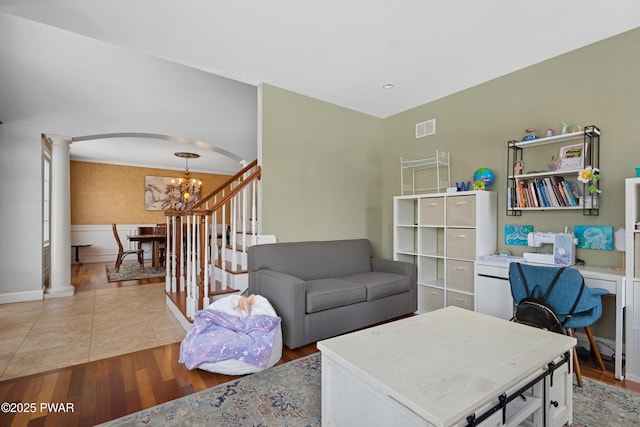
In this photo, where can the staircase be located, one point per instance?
(206, 248)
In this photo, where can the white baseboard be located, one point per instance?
(186, 325)
(21, 296)
(103, 245)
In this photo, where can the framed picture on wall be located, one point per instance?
(162, 193)
(594, 237)
(517, 234)
(572, 156)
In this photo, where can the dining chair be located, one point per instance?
(576, 305)
(161, 228)
(122, 253)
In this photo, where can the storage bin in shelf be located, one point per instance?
(432, 211)
(460, 299)
(430, 298)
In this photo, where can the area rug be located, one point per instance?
(285, 395)
(132, 271)
(597, 404)
(289, 395)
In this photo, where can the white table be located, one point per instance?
(493, 294)
(436, 369)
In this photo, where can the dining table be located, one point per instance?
(155, 239)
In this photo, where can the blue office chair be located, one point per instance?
(575, 305)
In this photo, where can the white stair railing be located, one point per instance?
(192, 248)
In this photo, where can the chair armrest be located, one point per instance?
(286, 294)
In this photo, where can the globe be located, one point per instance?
(485, 175)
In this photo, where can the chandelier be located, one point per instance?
(189, 188)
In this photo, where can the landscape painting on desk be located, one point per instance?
(160, 194)
(594, 237)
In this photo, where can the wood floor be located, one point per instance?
(103, 390)
(107, 389)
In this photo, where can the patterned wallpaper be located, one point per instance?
(104, 193)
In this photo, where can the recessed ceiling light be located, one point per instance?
(387, 86)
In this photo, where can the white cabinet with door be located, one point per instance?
(443, 234)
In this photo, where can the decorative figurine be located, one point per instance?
(565, 126)
(530, 134)
(517, 167)
(549, 132)
(463, 186)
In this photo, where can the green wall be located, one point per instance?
(597, 85)
(332, 173)
(321, 169)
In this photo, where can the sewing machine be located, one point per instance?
(564, 248)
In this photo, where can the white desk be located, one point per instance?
(436, 369)
(493, 294)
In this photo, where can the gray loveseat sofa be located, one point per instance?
(321, 289)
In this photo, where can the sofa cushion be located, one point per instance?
(313, 260)
(380, 284)
(323, 294)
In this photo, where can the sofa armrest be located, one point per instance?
(286, 294)
(400, 267)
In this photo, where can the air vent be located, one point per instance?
(426, 128)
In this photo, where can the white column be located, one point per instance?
(60, 279)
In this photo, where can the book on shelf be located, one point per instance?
(534, 194)
(552, 192)
(564, 187)
(555, 180)
(575, 191)
(543, 193)
(523, 199)
(560, 187)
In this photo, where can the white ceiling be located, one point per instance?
(343, 51)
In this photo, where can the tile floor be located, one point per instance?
(38, 336)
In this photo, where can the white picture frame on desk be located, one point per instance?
(572, 156)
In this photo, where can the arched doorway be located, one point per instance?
(57, 252)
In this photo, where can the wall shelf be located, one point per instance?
(552, 189)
